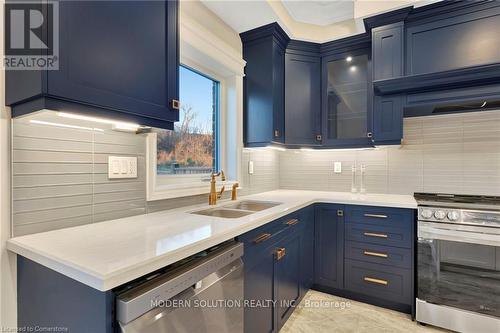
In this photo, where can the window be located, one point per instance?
(191, 151)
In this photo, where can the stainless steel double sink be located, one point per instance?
(238, 209)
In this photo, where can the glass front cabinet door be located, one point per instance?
(346, 103)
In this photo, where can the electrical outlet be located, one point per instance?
(250, 167)
(337, 167)
(122, 167)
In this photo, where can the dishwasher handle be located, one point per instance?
(141, 299)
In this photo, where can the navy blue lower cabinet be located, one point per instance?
(307, 248)
(46, 298)
(329, 246)
(288, 276)
(380, 281)
(259, 290)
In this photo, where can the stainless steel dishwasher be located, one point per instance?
(203, 293)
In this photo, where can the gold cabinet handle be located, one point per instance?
(280, 253)
(375, 254)
(373, 234)
(377, 281)
(261, 238)
(176, 104)
(377, 216)
(340, 212)
(292, 222)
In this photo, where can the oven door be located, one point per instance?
(459, 266)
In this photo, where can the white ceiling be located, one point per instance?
(320, 12)
(311, 20)
(243, 15)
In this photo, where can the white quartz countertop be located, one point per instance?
(107, 254)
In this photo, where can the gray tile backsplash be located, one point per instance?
(448, 153)
(60, 174)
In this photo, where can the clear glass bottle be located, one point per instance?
(362, 187)
(353, 179)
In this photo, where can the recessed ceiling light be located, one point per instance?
(348, 59)
(352, 68)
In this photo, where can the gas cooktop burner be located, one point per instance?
(459, 209)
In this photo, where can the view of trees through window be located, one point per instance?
(191, 148)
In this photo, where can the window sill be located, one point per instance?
(173, 191)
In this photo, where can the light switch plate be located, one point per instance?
(122, 167)
(337, 167)
(250, 167)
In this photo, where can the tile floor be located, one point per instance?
(319, 312)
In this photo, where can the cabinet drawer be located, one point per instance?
(258, 239)
(379, 254)
(375, 234)
(380, 216)
(384, 282)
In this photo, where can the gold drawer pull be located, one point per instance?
(378, 216)
(176, 104)
(280, 253)
(373, 234)
(377, 281)
(375, 254)
(292, 222)
(261, 238)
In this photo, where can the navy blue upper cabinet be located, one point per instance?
(387, 120)
(454, 40)
(387, 57)
(302, 94)
(329, 246)
(346, 102)
(387, 51)
(264, 85)
(117, 58)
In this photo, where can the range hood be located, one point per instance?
(468, 89)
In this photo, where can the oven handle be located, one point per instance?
(428, 231)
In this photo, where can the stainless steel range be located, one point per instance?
(459, 262)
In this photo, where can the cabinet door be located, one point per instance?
(278, 94)
(288, 276)
(329, 246)
(121, 55)
(259, 290)
(387, 120)
(346, 105)
(387, 51)
(302, 99)
(307, 252)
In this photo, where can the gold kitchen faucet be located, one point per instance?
(213, 196)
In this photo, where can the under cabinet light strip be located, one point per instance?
(118, 124)
(40, 122)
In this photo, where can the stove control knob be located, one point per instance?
(426, 213)
(453, 215)
(439, 214)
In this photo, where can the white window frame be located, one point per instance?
(204, 52)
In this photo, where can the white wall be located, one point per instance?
(8, 304)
